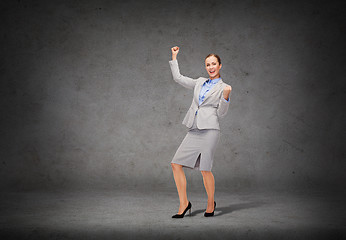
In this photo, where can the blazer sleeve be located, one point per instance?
(223, 106)
(182, 80)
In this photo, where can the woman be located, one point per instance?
(210, 102)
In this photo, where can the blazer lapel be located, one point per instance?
(198, 90)
(214, 89)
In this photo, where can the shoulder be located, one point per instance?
(225, 85)
(201, 80)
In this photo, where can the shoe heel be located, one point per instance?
(182, 215)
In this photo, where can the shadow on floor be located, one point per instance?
(231, 208)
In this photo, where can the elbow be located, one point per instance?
(177, 78)
(221, 114)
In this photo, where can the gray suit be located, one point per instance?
(212, 108)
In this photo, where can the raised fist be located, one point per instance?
(175, 50)
(226, 91)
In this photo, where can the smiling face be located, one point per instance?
(213, 67)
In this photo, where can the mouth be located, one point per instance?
(212, 71)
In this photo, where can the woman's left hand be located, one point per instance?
(226, 91)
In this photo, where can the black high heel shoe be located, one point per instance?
(182, 215)
(210, 214)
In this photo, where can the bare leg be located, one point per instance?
(180, 182)
(209, 184)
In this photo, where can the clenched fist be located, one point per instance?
(226, 91)
(175, 51)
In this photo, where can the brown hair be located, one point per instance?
(214, 55)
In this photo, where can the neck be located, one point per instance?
(212, 78)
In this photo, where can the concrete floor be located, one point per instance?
(147, 215)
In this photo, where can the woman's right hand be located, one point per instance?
(175, 51)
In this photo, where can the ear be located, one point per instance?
(220, 66)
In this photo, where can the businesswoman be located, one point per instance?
(210, 102)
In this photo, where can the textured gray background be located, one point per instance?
(88, 100)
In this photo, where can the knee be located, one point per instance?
(175, 166)
(205, 173)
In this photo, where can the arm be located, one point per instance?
(182, 80)
(224, 102)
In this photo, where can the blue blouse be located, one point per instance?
(207, 85)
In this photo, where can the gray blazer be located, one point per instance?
(212, 108)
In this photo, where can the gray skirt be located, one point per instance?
(197, 149)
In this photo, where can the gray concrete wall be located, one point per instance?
(88, 100)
